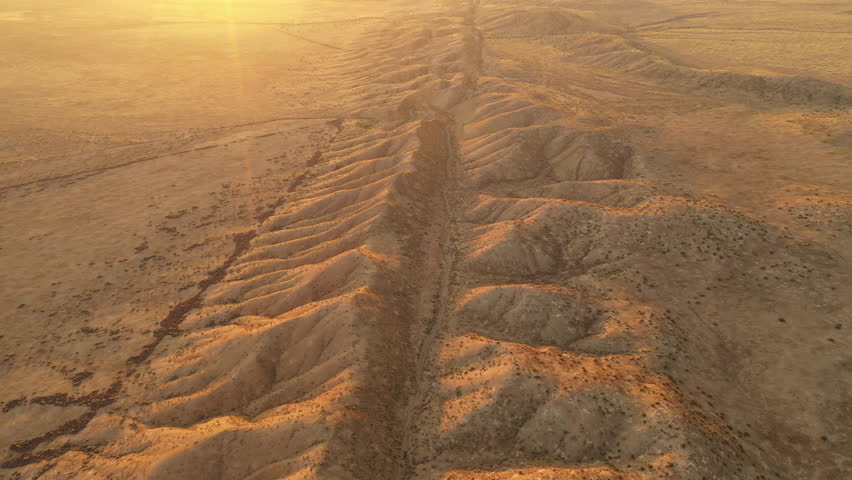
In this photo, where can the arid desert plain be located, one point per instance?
(426, 239)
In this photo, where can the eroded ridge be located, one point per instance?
(296, 363)
(552, 361)
(587, 39)
(536, 368)
(470, 282)
(292, 347)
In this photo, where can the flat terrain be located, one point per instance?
(444, 239)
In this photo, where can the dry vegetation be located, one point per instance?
(441, 240)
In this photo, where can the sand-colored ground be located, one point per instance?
(451, 239)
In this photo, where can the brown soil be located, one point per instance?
(452, 239)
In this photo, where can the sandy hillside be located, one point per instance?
(433, 240)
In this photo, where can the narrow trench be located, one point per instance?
(433, 322)
(434, 304)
